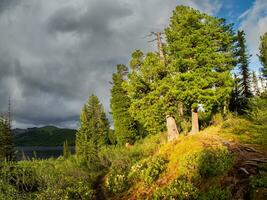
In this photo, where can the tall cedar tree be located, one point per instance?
(94, 129)
(126, 129)
(6, 140)
(201, 55)
(263, 54)
(242, 63)
(197, 70)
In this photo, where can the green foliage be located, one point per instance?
(199, 58)
(252, 127)
(258, 185)
(258, 112)
(244, 91)
(179, 189)
(46, 179)
(93, 132)
(263, 54)
(148, 169)
(117, 182)
(258, 182)
(216, 193)
(200, 48)
(66, 149)
(6, 140)
(45, 136)
(214, 162)
(126, 128)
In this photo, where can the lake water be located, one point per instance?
(40, 152)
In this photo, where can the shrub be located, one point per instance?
(180, 188)
(23, 178)
(186, 126)
(148, 169)
(117, 182)
(215, 194)
(214, 162)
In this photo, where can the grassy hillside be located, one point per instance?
(44, 136)
(227, 160)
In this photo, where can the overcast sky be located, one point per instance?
(55, 53)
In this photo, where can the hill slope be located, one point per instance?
(44, 136)
(225, 161)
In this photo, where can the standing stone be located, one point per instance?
(171, 128)
(195, 125)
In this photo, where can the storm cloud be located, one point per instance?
(55, 53)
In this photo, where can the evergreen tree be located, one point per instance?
(6, 140)
(201, 55)
(235, 104)
(242, 63)
(66, 149)
(197, 71)
(94, 129)
(263, 54)
(149, 92)
(126, 128)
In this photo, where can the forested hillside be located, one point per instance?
(44, 136)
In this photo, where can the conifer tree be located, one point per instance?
(126, 128)
(263, 54)
(6, 140)
(66, 149)
(235, 104)
(94, 129)
(147, 88)
(201, 55)
(242, 63)
(196, 73)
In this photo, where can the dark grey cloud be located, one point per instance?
(55, 53)
(7, 4)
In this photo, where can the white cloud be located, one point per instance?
(254, 23)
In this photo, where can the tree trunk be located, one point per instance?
(195, 125)
(172, 128)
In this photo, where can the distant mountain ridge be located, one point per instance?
(44, 136)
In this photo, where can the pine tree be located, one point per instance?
(244, 77)
(201, 55)
(199, 59)
(126, 128)
(243, 61)
(94, 129)
(6, 140)
(263, 54)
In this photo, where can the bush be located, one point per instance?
(22, 177)
(215, 194)
(214, 162)
(258, 112)
(180, 188)
(148, 169)
(117, 182)
(186, 126)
